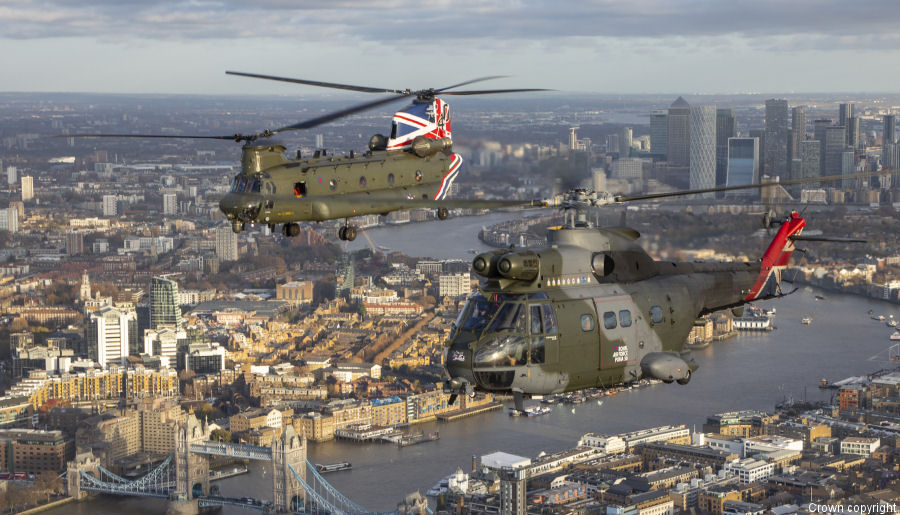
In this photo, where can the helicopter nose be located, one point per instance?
(229, 205)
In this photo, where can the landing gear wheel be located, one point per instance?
(442, 213)
(342, 234)
(291, 230)
(237, 226)
(350, 233)
(686, 379)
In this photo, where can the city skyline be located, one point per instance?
(652, 46)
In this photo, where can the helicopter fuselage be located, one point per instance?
(592, 309)
(274, 190)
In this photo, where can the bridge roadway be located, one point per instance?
(233, 450)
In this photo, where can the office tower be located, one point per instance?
(111, 333)
(848, 166)
(612, 144)
(845, 113)
(703, 147)
(573, 138)
(164, 310)
(11, 175)
(170, 204)
(9, 219)
(678, 149)
(628, 168)
(760, 134)
(853, 135)
(819, 127)
(659, 130)
(726, 127)
(889, 135)
(625, 142)
(798, 129)
(110, 207)
(743, 165)
(226, 244)
(74, 243)
(27, 188)
(810, 157)
(835, 144)
(320, 140)
(887, 156)
(776, 149)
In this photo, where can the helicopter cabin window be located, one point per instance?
(362, 182)
(418, 175)
(300, 189)
(549, 319)
(625, 318)
(656, 315)
(587, 322)
(609, 320)
(390, 179)
(270, 188)
(332, 184)
(542, 322)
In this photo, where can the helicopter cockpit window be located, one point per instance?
(549, 319)
(476, 313)
(656, 315)
(510, 319)
(625, 318)
(240, 184)
(235, 182)
(255, 186)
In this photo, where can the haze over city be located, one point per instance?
(646, 46)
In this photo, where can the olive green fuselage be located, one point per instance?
(605, 305)
(272, 189)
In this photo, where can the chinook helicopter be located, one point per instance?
(412, 168)
(593, 309)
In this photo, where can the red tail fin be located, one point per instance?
(776, 258)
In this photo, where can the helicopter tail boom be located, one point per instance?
(776, 258)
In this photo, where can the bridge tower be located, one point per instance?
(288, 450)
(83, 461)
(191, 470)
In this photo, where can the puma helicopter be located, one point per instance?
(413, 167)
(593, 309)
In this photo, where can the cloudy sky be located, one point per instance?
(604, 46)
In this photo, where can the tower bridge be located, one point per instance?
(183, 477)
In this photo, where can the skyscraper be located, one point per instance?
(111, 333)
(853, 135)
(845, 112)
(11, 175)
(27, 188)
(226, 244)
(835, 145)
(819, 127)
(110, 207)
(625, 142)
(703, 147)
(164, 310)
(798, 130)
(9, 219)
(726, 127)
(170, 204)
(743, 165)
(659, 130)
(678, 138)
(810, 158)
(776, 149)
(889, 135)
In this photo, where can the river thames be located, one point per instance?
(750, 371)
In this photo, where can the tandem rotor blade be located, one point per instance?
(308, 124)
(334, 85)
(233, 137)
(790, 182)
